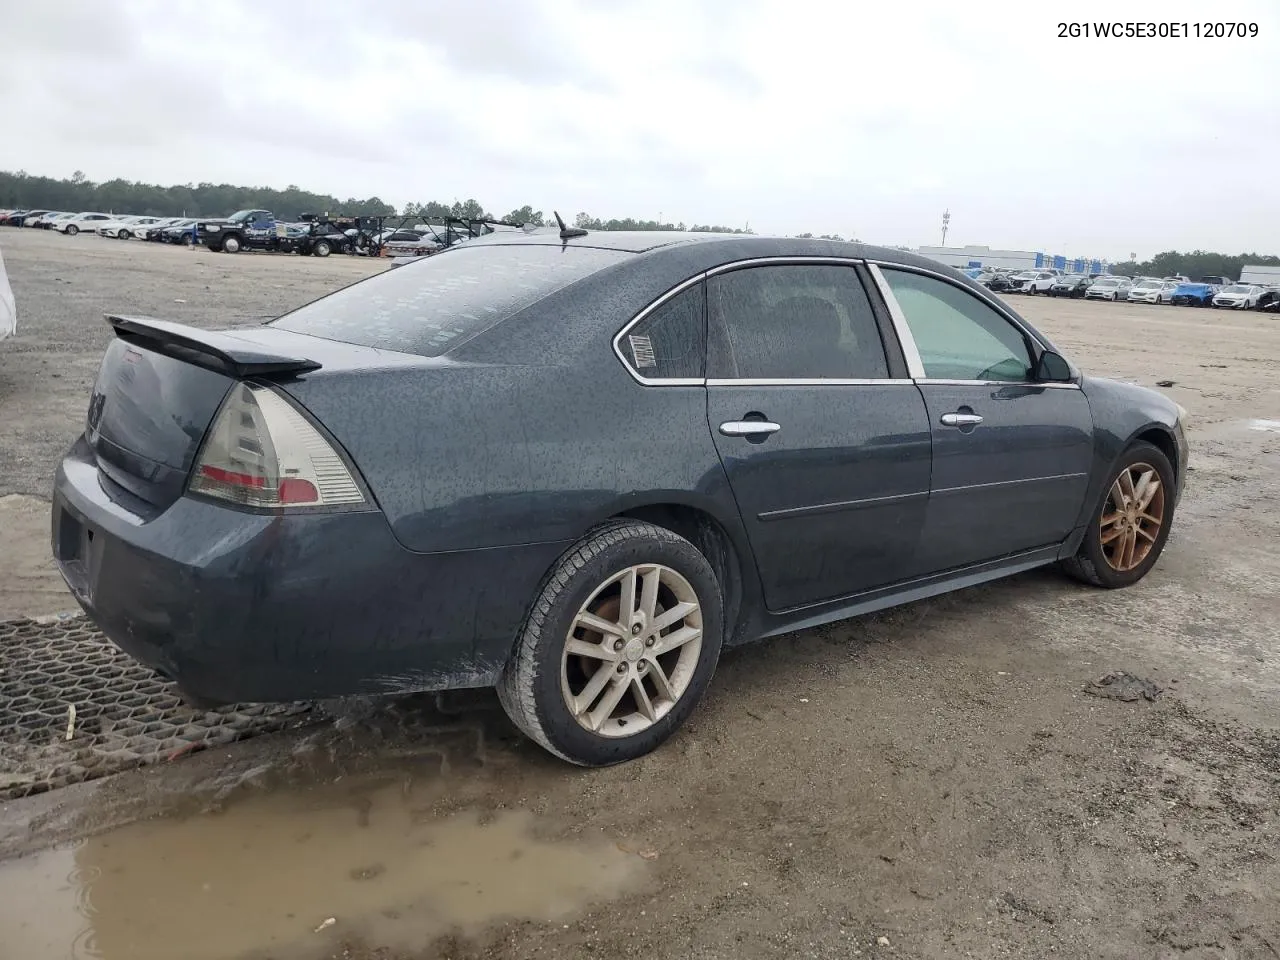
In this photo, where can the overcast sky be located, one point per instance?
(864, 120)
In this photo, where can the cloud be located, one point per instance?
(811, 115)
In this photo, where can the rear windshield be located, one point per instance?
(430, 306)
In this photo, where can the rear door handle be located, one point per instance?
(749, 428)
(960, 419)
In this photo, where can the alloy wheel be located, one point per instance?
(632, 650)
(1132, 517)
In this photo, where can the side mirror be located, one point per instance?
(1052, 368)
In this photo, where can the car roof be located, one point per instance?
(724, 247)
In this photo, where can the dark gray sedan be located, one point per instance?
(577, 466)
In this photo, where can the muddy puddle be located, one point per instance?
(263, 877)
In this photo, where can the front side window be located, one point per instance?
(957, 335)
(670, 342)
(793, 322)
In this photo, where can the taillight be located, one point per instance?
(261, 452)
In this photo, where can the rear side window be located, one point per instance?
(429, 307)
(670, 342)
(793, 322)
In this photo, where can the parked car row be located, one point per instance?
(117, 226)
(260, 230)
(1214, 291)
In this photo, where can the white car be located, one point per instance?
(1147, 291)
(1034, 281)
(42, 219)
(86, 222)
(1238, 296)
(52, 220)
(126, 227)
(8, 309)
(1109, 288)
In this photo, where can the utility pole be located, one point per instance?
(946, 221)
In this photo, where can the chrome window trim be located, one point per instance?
(986, 296)
(915, 367)
(938, 381)
(706, 274)
(675, 291)
(793, 259)
(905, 335)
(804, 382)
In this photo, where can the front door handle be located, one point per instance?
(749, 428)
(960, 419)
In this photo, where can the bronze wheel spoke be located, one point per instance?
(1126, 549)
(1125, 483)
(1129, 526)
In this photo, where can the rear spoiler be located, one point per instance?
(214, 350)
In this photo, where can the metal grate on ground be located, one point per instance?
(125, 714)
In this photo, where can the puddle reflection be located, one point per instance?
(261, 876)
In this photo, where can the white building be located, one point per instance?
(1258, 273)
(980, 256)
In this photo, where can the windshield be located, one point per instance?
(1106, 282)
(431, 306)
(1238, 288)
(1146, 285)
(241, 215)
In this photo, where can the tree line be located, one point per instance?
(472, 209)
(1196, 264)
(19, 189)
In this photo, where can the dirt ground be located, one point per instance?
(929, 782)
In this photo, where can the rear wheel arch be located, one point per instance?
(715, 543)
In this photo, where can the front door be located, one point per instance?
(827, 455)
(1011, 457)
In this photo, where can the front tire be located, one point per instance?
(1128, 529)
(619, 645)
(72, 230)
(231, 244)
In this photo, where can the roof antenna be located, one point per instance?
(568, 233)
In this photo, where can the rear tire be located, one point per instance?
(653, 689)
(72, 230)
(321, 248)
(1100, 560)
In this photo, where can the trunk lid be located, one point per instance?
(158, 388)
(161, 384)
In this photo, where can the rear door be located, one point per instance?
(824, 438)
(1011, 456)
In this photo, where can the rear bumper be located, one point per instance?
(242, 607)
